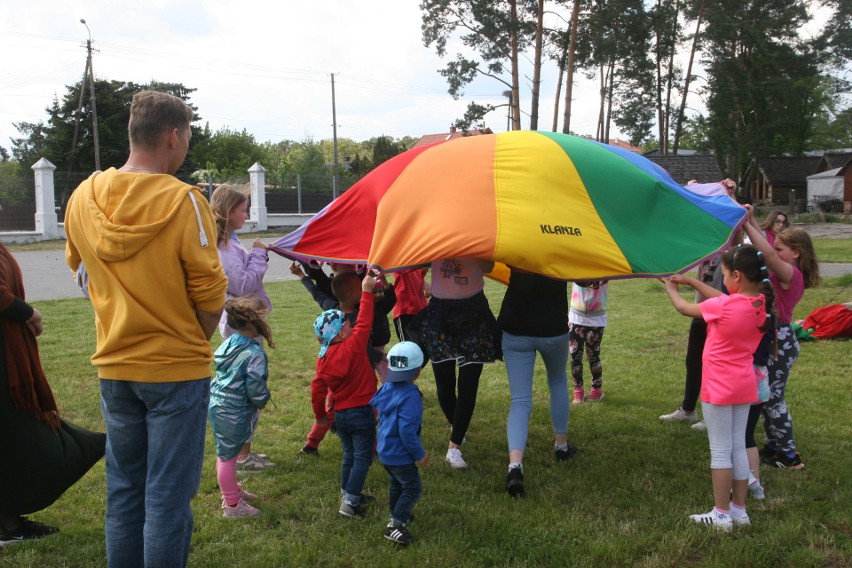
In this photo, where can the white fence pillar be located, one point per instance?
(45, 198)
(257, 212)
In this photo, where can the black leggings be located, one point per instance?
(457, 409)
(753, 415)
(694, 352)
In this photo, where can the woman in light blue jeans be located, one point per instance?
(534, 319)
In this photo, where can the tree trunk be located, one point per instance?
(516, 106)
(687, 79)
(536, 85)
(602, 93)
(610, 89)
(572, 47)
(559, 87)
(661, 134)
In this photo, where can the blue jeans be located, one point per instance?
(405, 490)
(519, 352)
(154, 453)
(356, 428)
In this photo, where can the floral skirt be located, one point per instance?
(463, 330)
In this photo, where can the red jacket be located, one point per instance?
(345, 370)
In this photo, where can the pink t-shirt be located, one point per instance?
(786, 300)
(733, 334)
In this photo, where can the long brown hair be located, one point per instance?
(225, 199)
(799, 240)
(248, 313)
(769, 222)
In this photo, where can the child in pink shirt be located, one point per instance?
(735, 325)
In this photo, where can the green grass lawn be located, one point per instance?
(624, 501)
(833, 250)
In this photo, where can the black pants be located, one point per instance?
(753, 415)
(457, 408)
(694, 352)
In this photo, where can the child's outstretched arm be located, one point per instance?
(323, 300)
(680, 304)
(774, 263)
(700, 287)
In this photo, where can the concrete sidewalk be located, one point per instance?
(46, 277)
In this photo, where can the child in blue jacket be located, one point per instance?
(400, 408)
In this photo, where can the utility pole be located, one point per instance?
(92, 96)
(336, 178)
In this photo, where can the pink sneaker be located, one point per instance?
(248, 496)
(579, 396)
(596, 394)
(241, 510)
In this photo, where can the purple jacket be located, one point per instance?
(245, 271)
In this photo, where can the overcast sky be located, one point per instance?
(261, 65)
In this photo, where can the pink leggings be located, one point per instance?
(226, 473)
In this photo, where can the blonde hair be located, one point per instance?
(248, 313)
(799, 240)
(224, 200)
(152, 114)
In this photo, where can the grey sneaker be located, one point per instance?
(680, 415)
(700, 426)
(358, 511)
(253, 463)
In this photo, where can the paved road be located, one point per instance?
(46, 277)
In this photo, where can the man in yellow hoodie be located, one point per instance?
(147, 243)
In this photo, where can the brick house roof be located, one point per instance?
(700, 167)
(789, 172)
(453, 133)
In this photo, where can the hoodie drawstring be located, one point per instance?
(202, 235)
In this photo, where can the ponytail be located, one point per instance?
(249, 313)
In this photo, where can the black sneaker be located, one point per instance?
(398, 534)
(767, 453)
(565, 454)
(309, 451)
(781, 461)
(515, 482)
(27, 530)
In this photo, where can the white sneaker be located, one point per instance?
(700, 426)
(241, 510)
(755, 490)
(739, 516)
(718, 521)
(455, 459)
(680, 415)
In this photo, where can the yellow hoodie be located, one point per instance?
(143, 242)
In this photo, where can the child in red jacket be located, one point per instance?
(344, 369)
